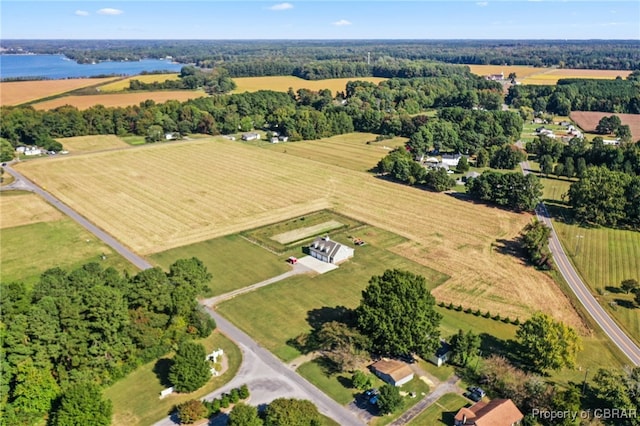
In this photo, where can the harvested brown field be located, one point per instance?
(25, 208)
(119, 99)
(92, 143)
(216, 187)
(19, 92)
(520, 70)
(588, 120)
(283, 83)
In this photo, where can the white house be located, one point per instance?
(274, 140)
(283, 138)
(32, 151)
(21, 149)
(611, 141)
(451, 160)
(329, 251)
(250, 136)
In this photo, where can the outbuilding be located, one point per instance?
(394, 372)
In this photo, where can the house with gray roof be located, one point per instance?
(326, 250)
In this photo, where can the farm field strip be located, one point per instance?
(123, 84)
(283, 83)
(173, 195)
(83, 144)
(540, 75)
(19, 92)
(301, 233)
(119, 99)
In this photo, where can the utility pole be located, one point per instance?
(368, 58)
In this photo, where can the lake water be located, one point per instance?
(58, 66)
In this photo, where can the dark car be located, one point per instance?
(475, 397)
(408, 358)
(4, 164)
(475, 389)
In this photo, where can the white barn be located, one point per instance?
(326, 250)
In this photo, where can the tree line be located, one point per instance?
(511, 190)
(589, 54)
(75, 331)
(622, 96)
(191, 78)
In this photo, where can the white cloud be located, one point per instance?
(82, 13)
(281, 6)
(342, 23)
(110, 11)
(482, 3)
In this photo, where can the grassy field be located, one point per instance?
(36, 237)
(227, 259)
(285, 305)
(119, 99)
(349, 151)
(19, 92)
(134, 140)
(215, 187)
(92, 143)
(442, 411)
(283, 83)
(120, 85)
(537, 75)
(336, 385)
(136, 397)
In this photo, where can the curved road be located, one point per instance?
(608, 325)
(266, 375)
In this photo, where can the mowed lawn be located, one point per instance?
(603, 256)
(36, 237)
(19, 92)
(123, 84)
(442, 411)
(285, 306)
(155, 198)
(136, 397)
(350, 151)
(92, 143)
(233, 261)
(283, 83)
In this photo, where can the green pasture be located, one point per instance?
(336, 385)
(233, 261)
(136, 397)
(442, 411)
(276, 313)
(29, 250)
(134, 140)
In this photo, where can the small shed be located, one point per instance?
(442, 354)
(250, 136)
(394, 372)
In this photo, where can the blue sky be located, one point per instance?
(320, 19)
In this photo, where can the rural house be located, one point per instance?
(606, 142)
(394, 372)
(499, 412)
(250, 136)
(442, 354)
(451, 160)
(329, 251)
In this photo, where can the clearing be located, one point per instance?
(216, 187)
(92, 143)
(588, 120)
(537, 75)
(19, 92)
(120, 85)
(120, 99)
(283, 83)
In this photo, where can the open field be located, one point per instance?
(588, 120)
(284, 306)
(227, 258)
(19, 92)
(36, 237)
(216, 187)
(309, 231)
(135, 398)
(123, 84)
(283, 83)
(537, 75)
(83, 144)
(442, 411)
(520, 70)
(350, 151)
(119, 99)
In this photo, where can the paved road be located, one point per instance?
(608, 325)
(266, 376)
(25, 184)
(450, 386)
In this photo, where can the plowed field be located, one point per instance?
(588, 120)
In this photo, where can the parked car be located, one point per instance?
(408, 358)
(475, 389)
(475, 397)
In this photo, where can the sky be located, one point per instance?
(320, 19)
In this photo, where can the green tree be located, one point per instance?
(535, 242)
(547, 344)
(155, 133)
(637, 298)
(463, 165)
(190, 370)
(546, 165)
(82, 404)
(389, 399)
(360, 380)
(35, 389)
(397, 313)
(439, 180)
(569, 167)
(344, 346)
(618, 389)
(629, 285)
(6, 150)
(292, 412)
(482, 159)
(191, 411)
(244, 415)
(464, 346)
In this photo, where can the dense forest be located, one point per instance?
(77, 330)
(590, 54)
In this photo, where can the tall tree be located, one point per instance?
(190, 369)
(292, 412)
(464, 346)
(244, 415)
(81, 405)
(629, 285)
(389, 399)
(547, 344)
(397, 313)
